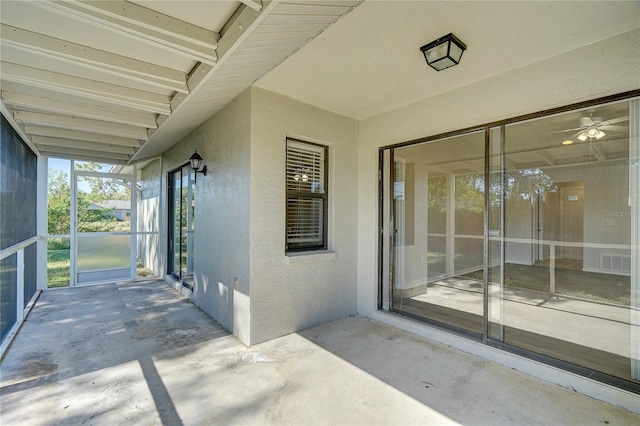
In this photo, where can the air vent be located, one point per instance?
(615, 263)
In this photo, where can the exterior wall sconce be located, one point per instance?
(196, 163)
(444, 52)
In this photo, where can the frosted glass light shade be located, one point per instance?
(444, 52)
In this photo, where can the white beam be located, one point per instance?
(242, 26)
(597, 152)
(546, 156)
(10, 117)
(255, 5)
(510, 164)
(91, 89)
(142, 24)
(80, 136)
(66, 108)
(88, 57)
(53, 150)
(81, 124)
(472, 166)
(83, 157)
(88, 146)
(153, 20)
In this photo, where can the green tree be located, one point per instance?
(59, 203)
(104, 188)
(59, 208)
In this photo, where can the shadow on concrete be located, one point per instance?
(73, 333)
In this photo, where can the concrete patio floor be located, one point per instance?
(140, 353)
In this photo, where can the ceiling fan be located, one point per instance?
(593, 127)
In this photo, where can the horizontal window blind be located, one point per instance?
(305, 167)
(306, 196)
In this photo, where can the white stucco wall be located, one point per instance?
(604, 68)
(290, 294)
(221, 259)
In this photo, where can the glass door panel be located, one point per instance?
(561, 282)
(182, 222)
(103, 227)
(438, 231)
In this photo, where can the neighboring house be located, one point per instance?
(119, 209)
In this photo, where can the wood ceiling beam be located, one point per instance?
(142, 24)
(81, 124)
(75, 144)
(90, 89)
(80, 136)
(66, 108)
(84, 56)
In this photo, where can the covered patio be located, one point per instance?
(296, 212)
(141, 353)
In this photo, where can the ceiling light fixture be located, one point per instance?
(591, 133)
(444, 52)
(567, 142)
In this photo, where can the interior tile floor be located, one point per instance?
(140, 353)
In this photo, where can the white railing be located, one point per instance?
(21, 309)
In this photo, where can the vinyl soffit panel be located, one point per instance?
(76, 70)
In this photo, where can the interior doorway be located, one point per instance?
(571, 221)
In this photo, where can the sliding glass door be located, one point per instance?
(524, 235)
(438, 199)
(181, 223)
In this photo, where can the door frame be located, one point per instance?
(73, 252)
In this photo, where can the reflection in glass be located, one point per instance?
(438, 211)
(182, 221)
(563, 236)
(561, 279)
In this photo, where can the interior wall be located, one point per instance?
(221, 246)
(604, 68)
(289, 294)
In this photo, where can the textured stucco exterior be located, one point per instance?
(242, 277)
(292, 293)
(222, 222)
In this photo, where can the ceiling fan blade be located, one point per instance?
(615, 128)
(616, 120)
(564, 131)
(586, 121)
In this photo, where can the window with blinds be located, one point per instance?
(306, 176)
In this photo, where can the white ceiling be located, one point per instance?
(369, 62)
(121, 81)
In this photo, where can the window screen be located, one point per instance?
(306, 176)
